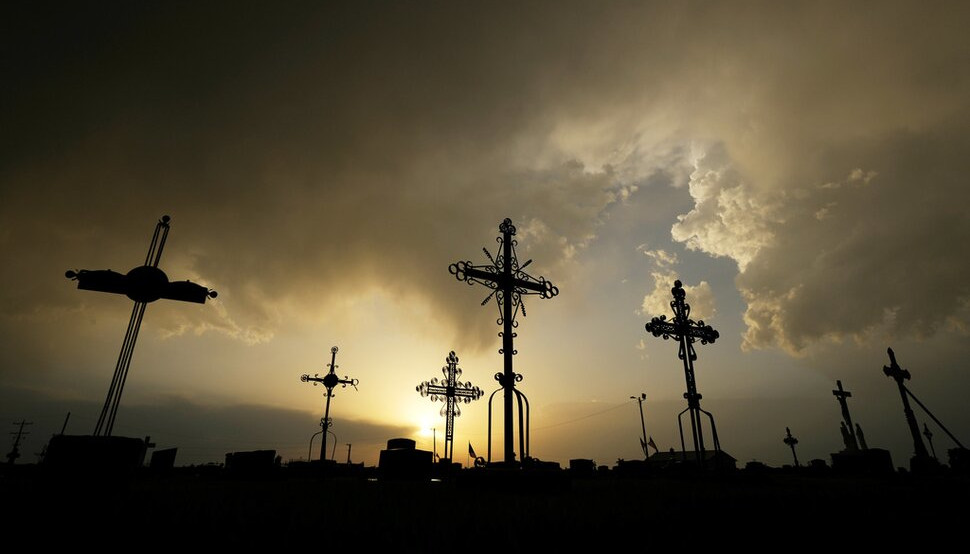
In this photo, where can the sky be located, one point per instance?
(799, 166)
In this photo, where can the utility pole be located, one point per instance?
(643, 441)
(15, 452)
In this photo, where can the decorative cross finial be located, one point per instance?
(686, 331)
(509, 283)
(451, 391)
(330, 380)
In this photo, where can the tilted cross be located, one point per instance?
(840, 393)
(929, 438)
(899, 375)
(791, 442)
(686, 331)
(451, 391)
(509, 283)
(143, 284)
(330, 380)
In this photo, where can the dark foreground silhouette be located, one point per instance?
(482, 509)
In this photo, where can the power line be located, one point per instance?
(584, 417)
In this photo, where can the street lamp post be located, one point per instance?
(643, 441)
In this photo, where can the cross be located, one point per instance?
(791, 442)
(899, 374)
(15, 452)
(686, 331)
(143, 284)
(509, 283)
(841, 394)
(929, 438)
(330, 380)
(451, 391)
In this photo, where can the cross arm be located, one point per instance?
(659, 326)
(893, 370)
(142, 284)
(429, 388)
(468, 395)
(187, 291)
(706, 333)
(307, 379)
(348, 381)
(490, 278)
(543, 288)
(100, 280)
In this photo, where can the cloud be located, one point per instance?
(313, 157)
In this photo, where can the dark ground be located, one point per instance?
(485, 510)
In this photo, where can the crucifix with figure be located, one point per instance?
(144, 284)
(686, 331)
(451, 391)
(848, 431)
(509, 283)
(330, 380)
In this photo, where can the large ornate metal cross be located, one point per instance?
(143, 284)
(330, 380)
(451, 391)
(685, 331)
(509, 283)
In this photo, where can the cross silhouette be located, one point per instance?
(791, 442)
(509, 283)
(686, 331)
(330, 380)
(841, 394)
(144, 284)
(899, 375)
(451, 391)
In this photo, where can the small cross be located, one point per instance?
(451, 391)
(791, 442)
(330, 380)
(686, 331)
(849, 432)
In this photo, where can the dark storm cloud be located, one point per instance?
(318, 151)
(303, 154)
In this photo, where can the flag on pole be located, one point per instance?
(652, 444)
(471, 451)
